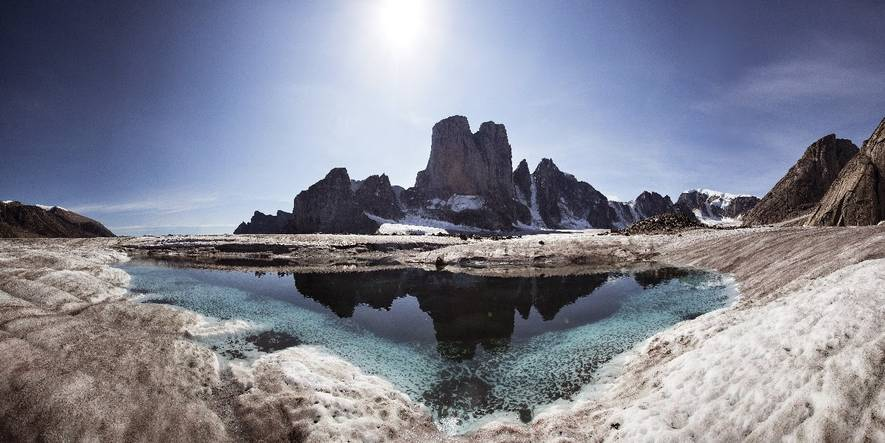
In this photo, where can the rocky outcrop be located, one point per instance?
(330, 206)
(266, 224)
(740, 205)
(522, 180)
(18, 220)
(565, 202)
(857, 196)
(803, 186)
(468, 179)
(376, 196)
(712, 207)
(465, 163)
(651, 203)
(645, 205)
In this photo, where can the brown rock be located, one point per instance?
(857, 197)
(800, 190)
(19, 220)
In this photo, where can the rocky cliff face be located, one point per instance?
(468, 179)
(376, 196)
(266, 224)
(651, 203)
(713, 207)
(330, 206)
(465, 163)
(857, 196)
(522, 180)
(18, 220)
(565, 202)
(645, 205)
(803, 186)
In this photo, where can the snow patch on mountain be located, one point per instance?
(458, 203)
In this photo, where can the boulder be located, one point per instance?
(857, 196)
(805, 183)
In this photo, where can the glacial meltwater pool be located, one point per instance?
(464, 346)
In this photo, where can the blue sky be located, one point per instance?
(159, 117)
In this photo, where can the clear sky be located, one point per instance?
(186, 116)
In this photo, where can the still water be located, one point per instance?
(465, 346)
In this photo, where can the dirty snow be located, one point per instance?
(458, 203)
(800, 357)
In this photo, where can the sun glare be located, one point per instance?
(402, 23)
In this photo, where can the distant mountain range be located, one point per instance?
(469, 184)
(19, 220)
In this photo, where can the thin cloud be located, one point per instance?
(166, 206)
(797, 80)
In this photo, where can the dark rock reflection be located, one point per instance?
(467, 310)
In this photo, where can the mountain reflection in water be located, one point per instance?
(468, 310)
(463, 345)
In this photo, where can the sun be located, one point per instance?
(401, 23)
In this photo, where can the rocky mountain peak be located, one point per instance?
(330, 206)
(546, 165)
(376, 196)
(857, 196)
(652, 203)
(522, 179)
(23, 220)
(565, 202)
(805, 183)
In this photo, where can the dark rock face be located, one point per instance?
(645, 205)
(468, 179)
(740, 205)
(522, 180)
(651, 203)
(330, 206)
(465, 163)
(266, 224)
(857, 196)
(565, 202)
(714, 205)
(19, 221)
(375, 196)
(803, 186)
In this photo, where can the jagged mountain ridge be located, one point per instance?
(468, 184)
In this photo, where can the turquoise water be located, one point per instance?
(465, 346)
